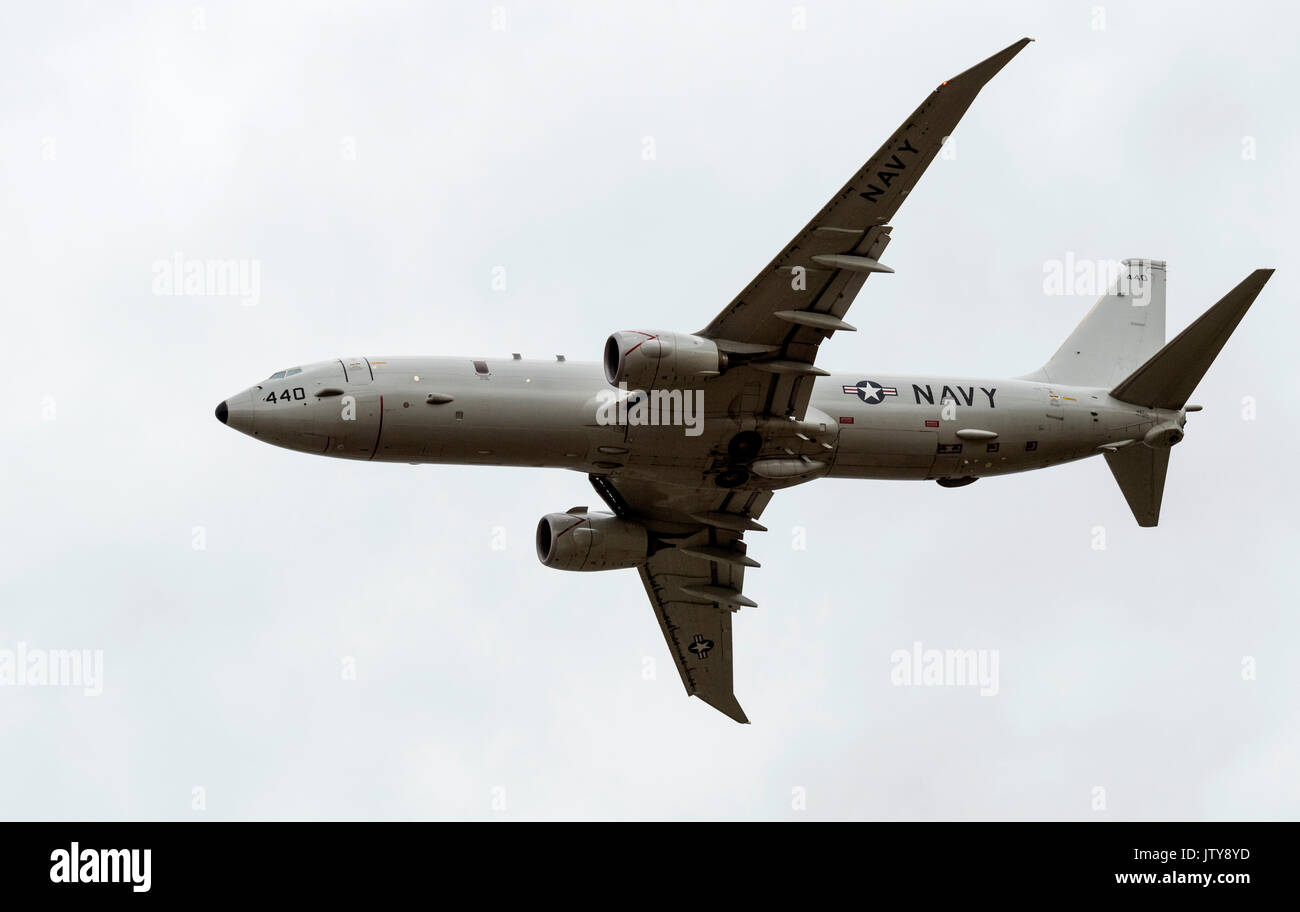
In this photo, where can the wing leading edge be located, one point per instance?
(803, 294)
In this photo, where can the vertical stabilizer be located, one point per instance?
(1124, 328)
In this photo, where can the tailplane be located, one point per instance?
(1124, 328)
(1140, 472)
(1166, 379)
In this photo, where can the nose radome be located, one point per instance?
(237, 412)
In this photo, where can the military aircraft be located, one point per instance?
(685, 437)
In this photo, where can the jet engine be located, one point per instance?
(579, 540)
(660, 360)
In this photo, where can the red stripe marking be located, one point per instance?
(648, 338)
(572, 527)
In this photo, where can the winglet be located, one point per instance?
(985, 70)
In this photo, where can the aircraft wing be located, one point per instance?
(770, 333)
(781, 317)
(697, 582)
(698, 632)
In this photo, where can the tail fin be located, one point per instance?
(1167, 379)
(1140, 472)
(1124, 328)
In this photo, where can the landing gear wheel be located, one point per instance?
(744, 446)
(733, 477)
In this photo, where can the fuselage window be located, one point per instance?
(481, 367)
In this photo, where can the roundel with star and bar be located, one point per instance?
(871, 392)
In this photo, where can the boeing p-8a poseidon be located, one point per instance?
(685, 437)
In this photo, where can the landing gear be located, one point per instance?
(741, 451)
(744, 447)
(732, 477)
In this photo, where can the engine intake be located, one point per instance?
(660, 360)
(579, 540)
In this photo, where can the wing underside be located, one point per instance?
(695, 577)
(770, 334)
(697, 630)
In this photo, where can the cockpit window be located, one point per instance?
(278, 375)
(292, 371)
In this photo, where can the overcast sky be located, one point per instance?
(292, 637)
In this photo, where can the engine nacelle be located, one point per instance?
(579, 540)
(660, 360)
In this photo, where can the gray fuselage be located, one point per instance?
(516, 412)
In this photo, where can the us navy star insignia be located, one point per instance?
(871, 392)
(701, 646)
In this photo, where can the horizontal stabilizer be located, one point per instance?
(1140, 472)
(1169, 377)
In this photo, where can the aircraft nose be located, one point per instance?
(237, 412)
